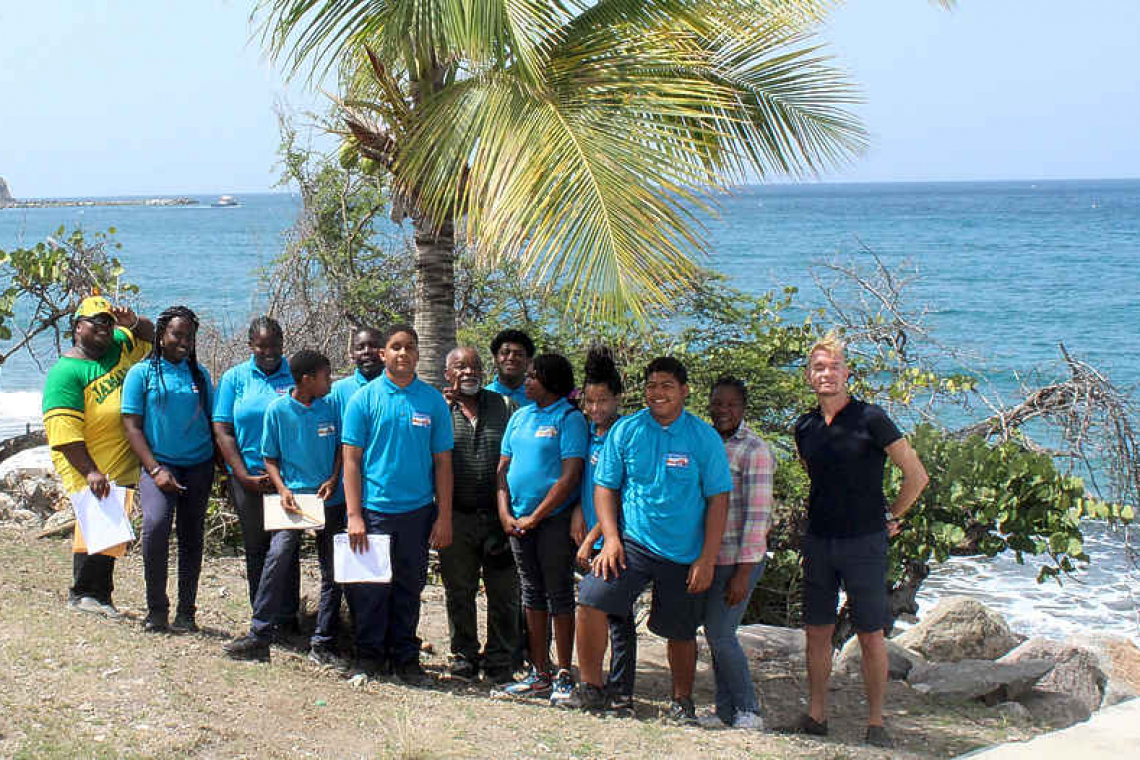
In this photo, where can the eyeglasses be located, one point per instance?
(103, 320)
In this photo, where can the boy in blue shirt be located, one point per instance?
(397, 481)
(300, 445)
(512, 351)
(367, 353)
(669, 472)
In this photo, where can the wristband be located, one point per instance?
(154, 472)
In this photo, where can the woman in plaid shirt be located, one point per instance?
(741, 560)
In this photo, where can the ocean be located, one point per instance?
(1005, 272)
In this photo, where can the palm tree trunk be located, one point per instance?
(435, 298)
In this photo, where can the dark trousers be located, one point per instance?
(623, 655)
(275, 576)
(386, 615)
(328, 611)
(186, 511)
(480, 547)
(251, 517)
(92, 575)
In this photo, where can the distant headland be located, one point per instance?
(7, 201)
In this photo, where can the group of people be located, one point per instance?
(517, 483)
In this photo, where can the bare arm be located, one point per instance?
(163, 478)
(914, 477)
(503, 497)
(611, 559)
(227, 444)
(273, 470)
(357, 536)
(567, 481)
(716, 515)
(444, 488)
(328, 488)
(78, 457)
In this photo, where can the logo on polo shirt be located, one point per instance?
(282, 391)
(676, 459)
(546, 431)
(594, 458)
(419, 419)
(326, 430)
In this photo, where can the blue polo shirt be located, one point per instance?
(243, 395)
(518, 395)
(175, 421)
(537, 439)
(399, 430)
(303, 440)
(597, 442)
(342, 392)
(664, 476)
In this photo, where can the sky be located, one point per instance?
(144, 97)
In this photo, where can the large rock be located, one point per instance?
(1119, 658)
(986, 680)
(1076, 672)
(5, 195)
(1055, 710)
(959, 628)
(773, 642)
(900, 660)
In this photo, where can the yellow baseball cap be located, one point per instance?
(92, 305)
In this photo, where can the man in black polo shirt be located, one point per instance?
(478, 419)
(844, 444)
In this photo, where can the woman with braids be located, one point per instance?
(601, 396)
(166, 413)
(244, 392)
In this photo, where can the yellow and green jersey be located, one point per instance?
(82, 399)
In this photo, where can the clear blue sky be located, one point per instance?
(104, 97)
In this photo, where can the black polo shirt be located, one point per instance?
(476, 454)
(845, 462)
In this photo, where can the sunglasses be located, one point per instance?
(103, 320)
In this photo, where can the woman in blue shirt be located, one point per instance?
(540, 471)
(166, 414)
(244, 393)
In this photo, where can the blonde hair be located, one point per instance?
(830, 344)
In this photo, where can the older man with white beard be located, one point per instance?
(479, 545)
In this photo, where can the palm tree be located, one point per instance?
(581, 139)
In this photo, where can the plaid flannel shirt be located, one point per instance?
(750, 503)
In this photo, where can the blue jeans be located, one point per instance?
(328, 611)
(623, 656)
(386, 615)
(276, 578)
(734, 691)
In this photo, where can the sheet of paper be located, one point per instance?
(311, 505)
(371, 566)
(103, 522)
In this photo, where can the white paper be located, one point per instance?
(374, 565)
(311, 505)
(103, 522)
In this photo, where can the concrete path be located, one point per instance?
(1113, 732)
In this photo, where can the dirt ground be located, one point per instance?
(77, 686)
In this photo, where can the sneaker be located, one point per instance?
(620, 705)
(499, 676)
(710, 720)
(806, 725)
(248, 647)
(877, 736)
(155, 623)
(749, 721)
(326, 657)
(462, 669)
(682, 711)
(584, 696)
(562, 688)
(93, 606)
(184, 623)
(410, 672)
(109, 610)
(535, 684)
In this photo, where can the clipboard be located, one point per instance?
(371, 566)
(105, 522)
(311, 506)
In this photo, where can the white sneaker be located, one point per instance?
(748, 720)
(710, 720)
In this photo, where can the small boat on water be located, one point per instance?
(225, 200)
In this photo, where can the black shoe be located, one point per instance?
(248, 647)
(585, 696)
(369, 667)
(410, 672)
(806, 725)
(155, 623)
(499, 676)
(877, 736)
(682, 712)
(462, 669)
(286, 634)
(620, 705)
(327, 657)
(184, 623)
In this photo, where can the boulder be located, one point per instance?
(900, 660)
(1014, 712)
(5, 194)
(25, 518)
(1055, 710)
(959, 628)
(7, 506)
(58, 520)
(1119, 659)
(986, 680)
(772, 642)
(1076, 671)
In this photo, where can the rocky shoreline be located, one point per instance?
(86, 203)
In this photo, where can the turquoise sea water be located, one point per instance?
(1008, 270)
